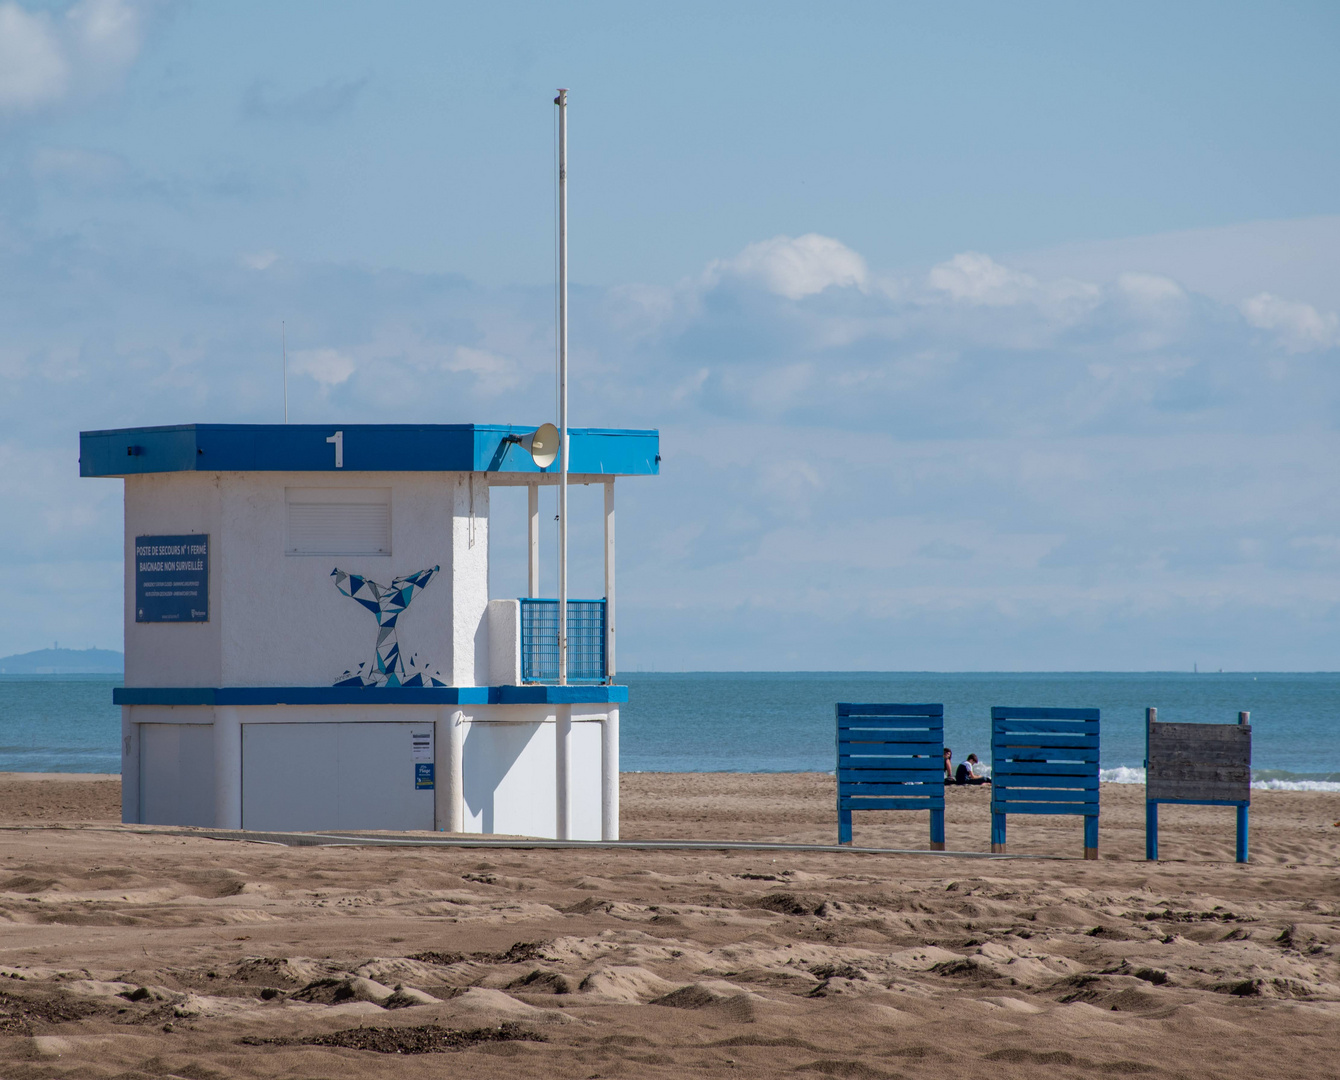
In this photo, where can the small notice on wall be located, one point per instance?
(421, 743)
(172, 578)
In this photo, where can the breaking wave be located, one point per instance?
(1262, 779)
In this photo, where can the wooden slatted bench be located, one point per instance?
(1199, 764)
(891, 757)
(1044, 761)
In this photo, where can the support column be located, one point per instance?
(227, 768)
(563, 772)
(997, 833)
(609, 580)
(533, 540)
(1151, 830)
(1244, 718)
(609, 774)
(130, 768)
(448, 755)
(469, 574)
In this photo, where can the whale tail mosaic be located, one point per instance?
(387, 603)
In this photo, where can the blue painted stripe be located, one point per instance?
(1046, 741)
(1017, 767)
(1065, 727)
(1087, 809)
(889, 804)
(870, 760)
(1016, 783)
(1011, 712)
(1005, 800)
(367, 448)
(845, 708)
(885, 738)
(894, 788)
(885, 724)
(369, 695)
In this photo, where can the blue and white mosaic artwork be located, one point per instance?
(387, 603)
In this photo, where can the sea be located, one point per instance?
(783, 721)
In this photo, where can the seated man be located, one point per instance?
(967, 772)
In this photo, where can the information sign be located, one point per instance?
(172, 578)
(421, 750)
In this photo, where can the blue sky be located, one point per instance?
(980, 336)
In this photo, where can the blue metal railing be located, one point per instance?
(539, 641)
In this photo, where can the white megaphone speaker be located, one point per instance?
(541, 444)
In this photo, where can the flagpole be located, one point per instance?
(562, 102)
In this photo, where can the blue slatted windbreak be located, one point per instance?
(1044, 761)
(891, 757)
(539, 640)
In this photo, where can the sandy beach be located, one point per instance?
(153, 953)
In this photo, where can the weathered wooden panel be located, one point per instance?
(1199, 761)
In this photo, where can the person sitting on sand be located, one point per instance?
(967, 772)
(949, 766)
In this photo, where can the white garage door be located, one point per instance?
(333, 776)
(176, 774)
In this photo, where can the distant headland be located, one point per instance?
(64, 662)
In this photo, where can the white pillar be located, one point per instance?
(609, 579)
(449, 770)
(469, 572)
(563, 772)
(609, 775)
(130, 768)
(227, 768)
(533, 540)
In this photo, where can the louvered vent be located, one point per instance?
(338, 521)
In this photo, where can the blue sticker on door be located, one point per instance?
(421, 752)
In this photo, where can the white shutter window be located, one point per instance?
(338, 521)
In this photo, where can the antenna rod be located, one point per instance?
(283, 337)
(562, 102)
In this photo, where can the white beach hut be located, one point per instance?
(310, 643)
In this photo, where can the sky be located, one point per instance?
(979, 336)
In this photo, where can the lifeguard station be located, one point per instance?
(310, 642)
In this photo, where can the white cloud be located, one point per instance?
(493, 374)
(795, 267)
(329, 367)
(45, 59)
(1299, 327)
(977, 279)
(833, 458)
(260, 260)
(33, 66)
(1150, 289)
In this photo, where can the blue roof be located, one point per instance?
(367, 448)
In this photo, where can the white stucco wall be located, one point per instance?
(278, 619)
(173, 654)
(504, 619)
(312, 774)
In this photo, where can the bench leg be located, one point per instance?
(1242, 834)
(997, 834)
(937, 830)
(1091, 836)
(1151, 831)
(844, 826)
